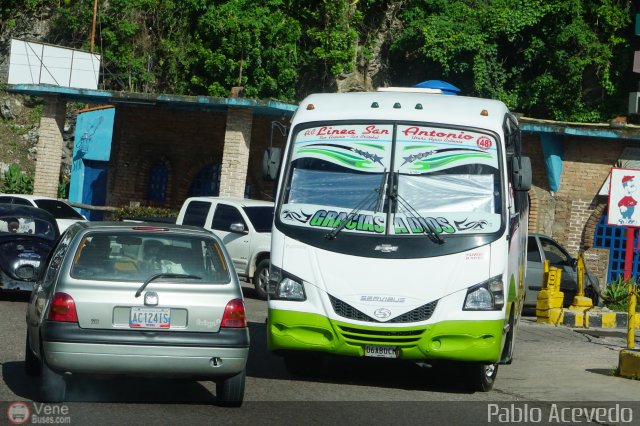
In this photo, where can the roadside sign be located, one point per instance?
(623, 198)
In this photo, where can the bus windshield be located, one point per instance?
(363, 177)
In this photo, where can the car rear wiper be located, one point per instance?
(164, 275)
(375, 194)
(431, 230)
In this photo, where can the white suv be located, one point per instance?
(243, 225)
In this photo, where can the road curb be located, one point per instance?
(596, 318)
(629, 363)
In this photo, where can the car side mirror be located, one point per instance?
(573, 262)
(237, 228)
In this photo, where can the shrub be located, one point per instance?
(16, 182)
(147, 214)
(616, 295)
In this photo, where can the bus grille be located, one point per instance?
(421, 313)
(389, 337)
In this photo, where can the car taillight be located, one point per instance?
(234, 315)
(63, 308)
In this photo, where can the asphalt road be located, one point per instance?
(552, 364)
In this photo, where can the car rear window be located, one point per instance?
(261, 217)
(58, 209)
(136, 257)
(27, 225)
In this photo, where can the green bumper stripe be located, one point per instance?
(452, 340)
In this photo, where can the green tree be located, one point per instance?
(550, 59)
(558, 59)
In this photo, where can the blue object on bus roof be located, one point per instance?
(446, 88)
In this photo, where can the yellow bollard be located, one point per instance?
(580, 301)
(631, 319)
(549, 303)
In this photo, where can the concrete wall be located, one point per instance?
(186, 140)
(571, 215)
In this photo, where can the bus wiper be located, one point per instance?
(379, 203)
(164, 275)
(430, 231)
(371, 196)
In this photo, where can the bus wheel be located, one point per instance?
(481, 377)
(507, 351)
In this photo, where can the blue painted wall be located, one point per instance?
(91, 153)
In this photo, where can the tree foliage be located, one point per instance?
(559, 59)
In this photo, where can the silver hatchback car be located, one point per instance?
(136, 299)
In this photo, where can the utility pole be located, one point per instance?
(93, 25)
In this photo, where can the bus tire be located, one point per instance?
(480, 377)
(509, 343)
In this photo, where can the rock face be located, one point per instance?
(27, 27)
(10, 108)
(371, 71)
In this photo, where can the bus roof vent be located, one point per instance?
(429, 86)
(444, 87)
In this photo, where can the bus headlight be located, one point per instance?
(487, 296)
(289, 289)
(283, 286)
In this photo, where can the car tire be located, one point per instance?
(480, 377)
(230, 391)
(592, 294)
(261, 279)
(53, 386)
(32, 365)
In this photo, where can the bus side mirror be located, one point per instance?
(521, 167)
(271, 163)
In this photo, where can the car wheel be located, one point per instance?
(592, 294)
(32, 365)
(230, 391)
(53, 386)
(261, 279)
(481, 377)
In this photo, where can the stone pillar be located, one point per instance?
(49, 147)
(235, 156)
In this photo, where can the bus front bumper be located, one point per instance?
(446, 340)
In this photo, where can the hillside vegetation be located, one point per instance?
(555, 59)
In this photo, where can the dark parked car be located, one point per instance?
(27, 236)
(541, 248)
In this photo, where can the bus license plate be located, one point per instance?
(381, 351)
(150, 317)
